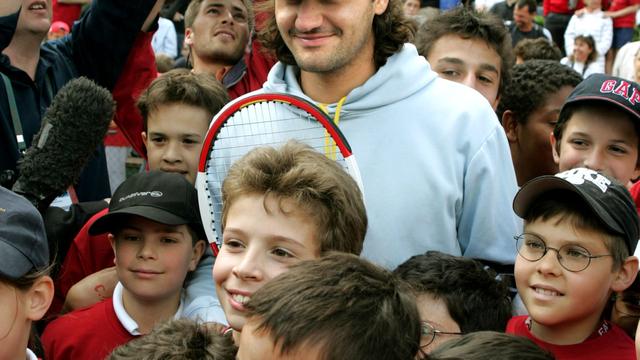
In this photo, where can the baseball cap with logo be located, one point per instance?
(23, 241)
(609, 200)
(616, 91)
(166, 198)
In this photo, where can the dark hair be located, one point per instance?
(391, 30)
(181, 86)
(527, 92)
(350, 307)
(570, 207)
(537, 49)
(317, 185)
(530, 4)
(490, 345)
(589, 40)
(470, 24)
(182, 339)
(475, 299)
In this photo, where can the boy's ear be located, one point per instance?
(112, 241)
(144, 138)
(554, 149)
(198, 250)
(626, 274)
(188, 36)
(510, 125)
(39, 298)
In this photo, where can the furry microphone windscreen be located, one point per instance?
(72, 127)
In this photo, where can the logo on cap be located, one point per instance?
(578, 177)
(611, 86)
(141, 193)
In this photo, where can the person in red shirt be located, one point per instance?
(580, 231)
(623, 13)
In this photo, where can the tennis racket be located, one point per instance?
(268, 119)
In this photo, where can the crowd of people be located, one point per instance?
(496, 218)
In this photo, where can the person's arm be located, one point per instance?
(605, 38)
(102, 39)
(622, 12)
(487, 222)
(91, 290)
(570, 35)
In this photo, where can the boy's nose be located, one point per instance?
(594, 161)
(248, 268)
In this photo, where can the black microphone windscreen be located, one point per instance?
(72, 127)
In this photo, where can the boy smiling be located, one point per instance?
(580, 229)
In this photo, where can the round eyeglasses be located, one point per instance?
(429, 333)
(572, 257)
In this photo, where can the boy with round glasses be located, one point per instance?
(580, 229)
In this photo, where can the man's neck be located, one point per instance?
(148, 313)
(526, 28)
(24, 53)
(203, 67)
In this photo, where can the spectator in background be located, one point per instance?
(220, 44)
(529, 110)
(523, 26)
(410, 7)
(165, 40)
(164, 63)
(623, 13)
(175, 11)
(584, 57)
(504, 10)
(57, 30)
(536, 49)
(624, 64)
(591, 21)
(557, 14)
(468, 47)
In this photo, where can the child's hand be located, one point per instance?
(91, 290)
(580, 12)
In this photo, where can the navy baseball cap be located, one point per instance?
(622, 93)
(166, 198)
(609, 200)
(23, 240)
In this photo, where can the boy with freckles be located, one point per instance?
(581, 228)
(280, 207)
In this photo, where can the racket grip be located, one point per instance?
(215, 249)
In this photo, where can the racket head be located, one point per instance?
(254, 120)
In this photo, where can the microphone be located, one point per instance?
(71, 129)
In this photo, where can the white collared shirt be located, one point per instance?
(125, 319)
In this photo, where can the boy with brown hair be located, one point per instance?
(157, 237)
(282, 206)
(337, 307)
(176, 110)
(591, 224)
(598, 128)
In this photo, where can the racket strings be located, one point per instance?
(268, 123)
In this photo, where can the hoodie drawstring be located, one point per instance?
(330, 148)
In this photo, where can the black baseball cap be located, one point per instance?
(609, 200)
(622, 93)
(23, 240)
(166, 198)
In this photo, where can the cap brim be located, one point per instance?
(540, 185)
(15, 264)
(629, 110)
(112, 220)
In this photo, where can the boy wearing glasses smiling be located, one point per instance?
(580, 229)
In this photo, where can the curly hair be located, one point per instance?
(470, 24)
(532, 82)
(391, 30)
(537, 49)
